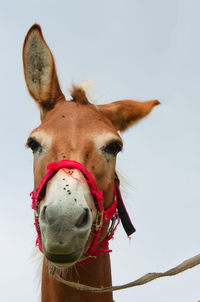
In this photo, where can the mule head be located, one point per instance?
(74, 130)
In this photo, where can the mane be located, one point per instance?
(126, 188)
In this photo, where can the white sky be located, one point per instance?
(129, 49)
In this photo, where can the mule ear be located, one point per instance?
(125, 113)
(39, 71)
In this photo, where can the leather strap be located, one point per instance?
(123, 214)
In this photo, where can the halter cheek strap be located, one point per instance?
(116, 211)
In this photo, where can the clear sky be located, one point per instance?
(136, 49)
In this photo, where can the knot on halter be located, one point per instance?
(116, 211)
(99, 194)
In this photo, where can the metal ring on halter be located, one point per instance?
(113, 224)
(99, 220)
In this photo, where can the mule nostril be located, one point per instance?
(83, 219)
(43, 213)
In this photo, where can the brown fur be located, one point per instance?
(35, 50)
(79, 95)
(73, 128)
(124, 114)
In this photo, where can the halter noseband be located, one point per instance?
(114, 213)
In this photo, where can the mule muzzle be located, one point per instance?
(65, 228)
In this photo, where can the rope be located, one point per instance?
(185, 265)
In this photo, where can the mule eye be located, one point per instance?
(113, 148)
(33, 144)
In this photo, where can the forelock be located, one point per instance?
(78, 95)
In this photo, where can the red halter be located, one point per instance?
(116, 210)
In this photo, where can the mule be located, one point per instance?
(74, 149)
